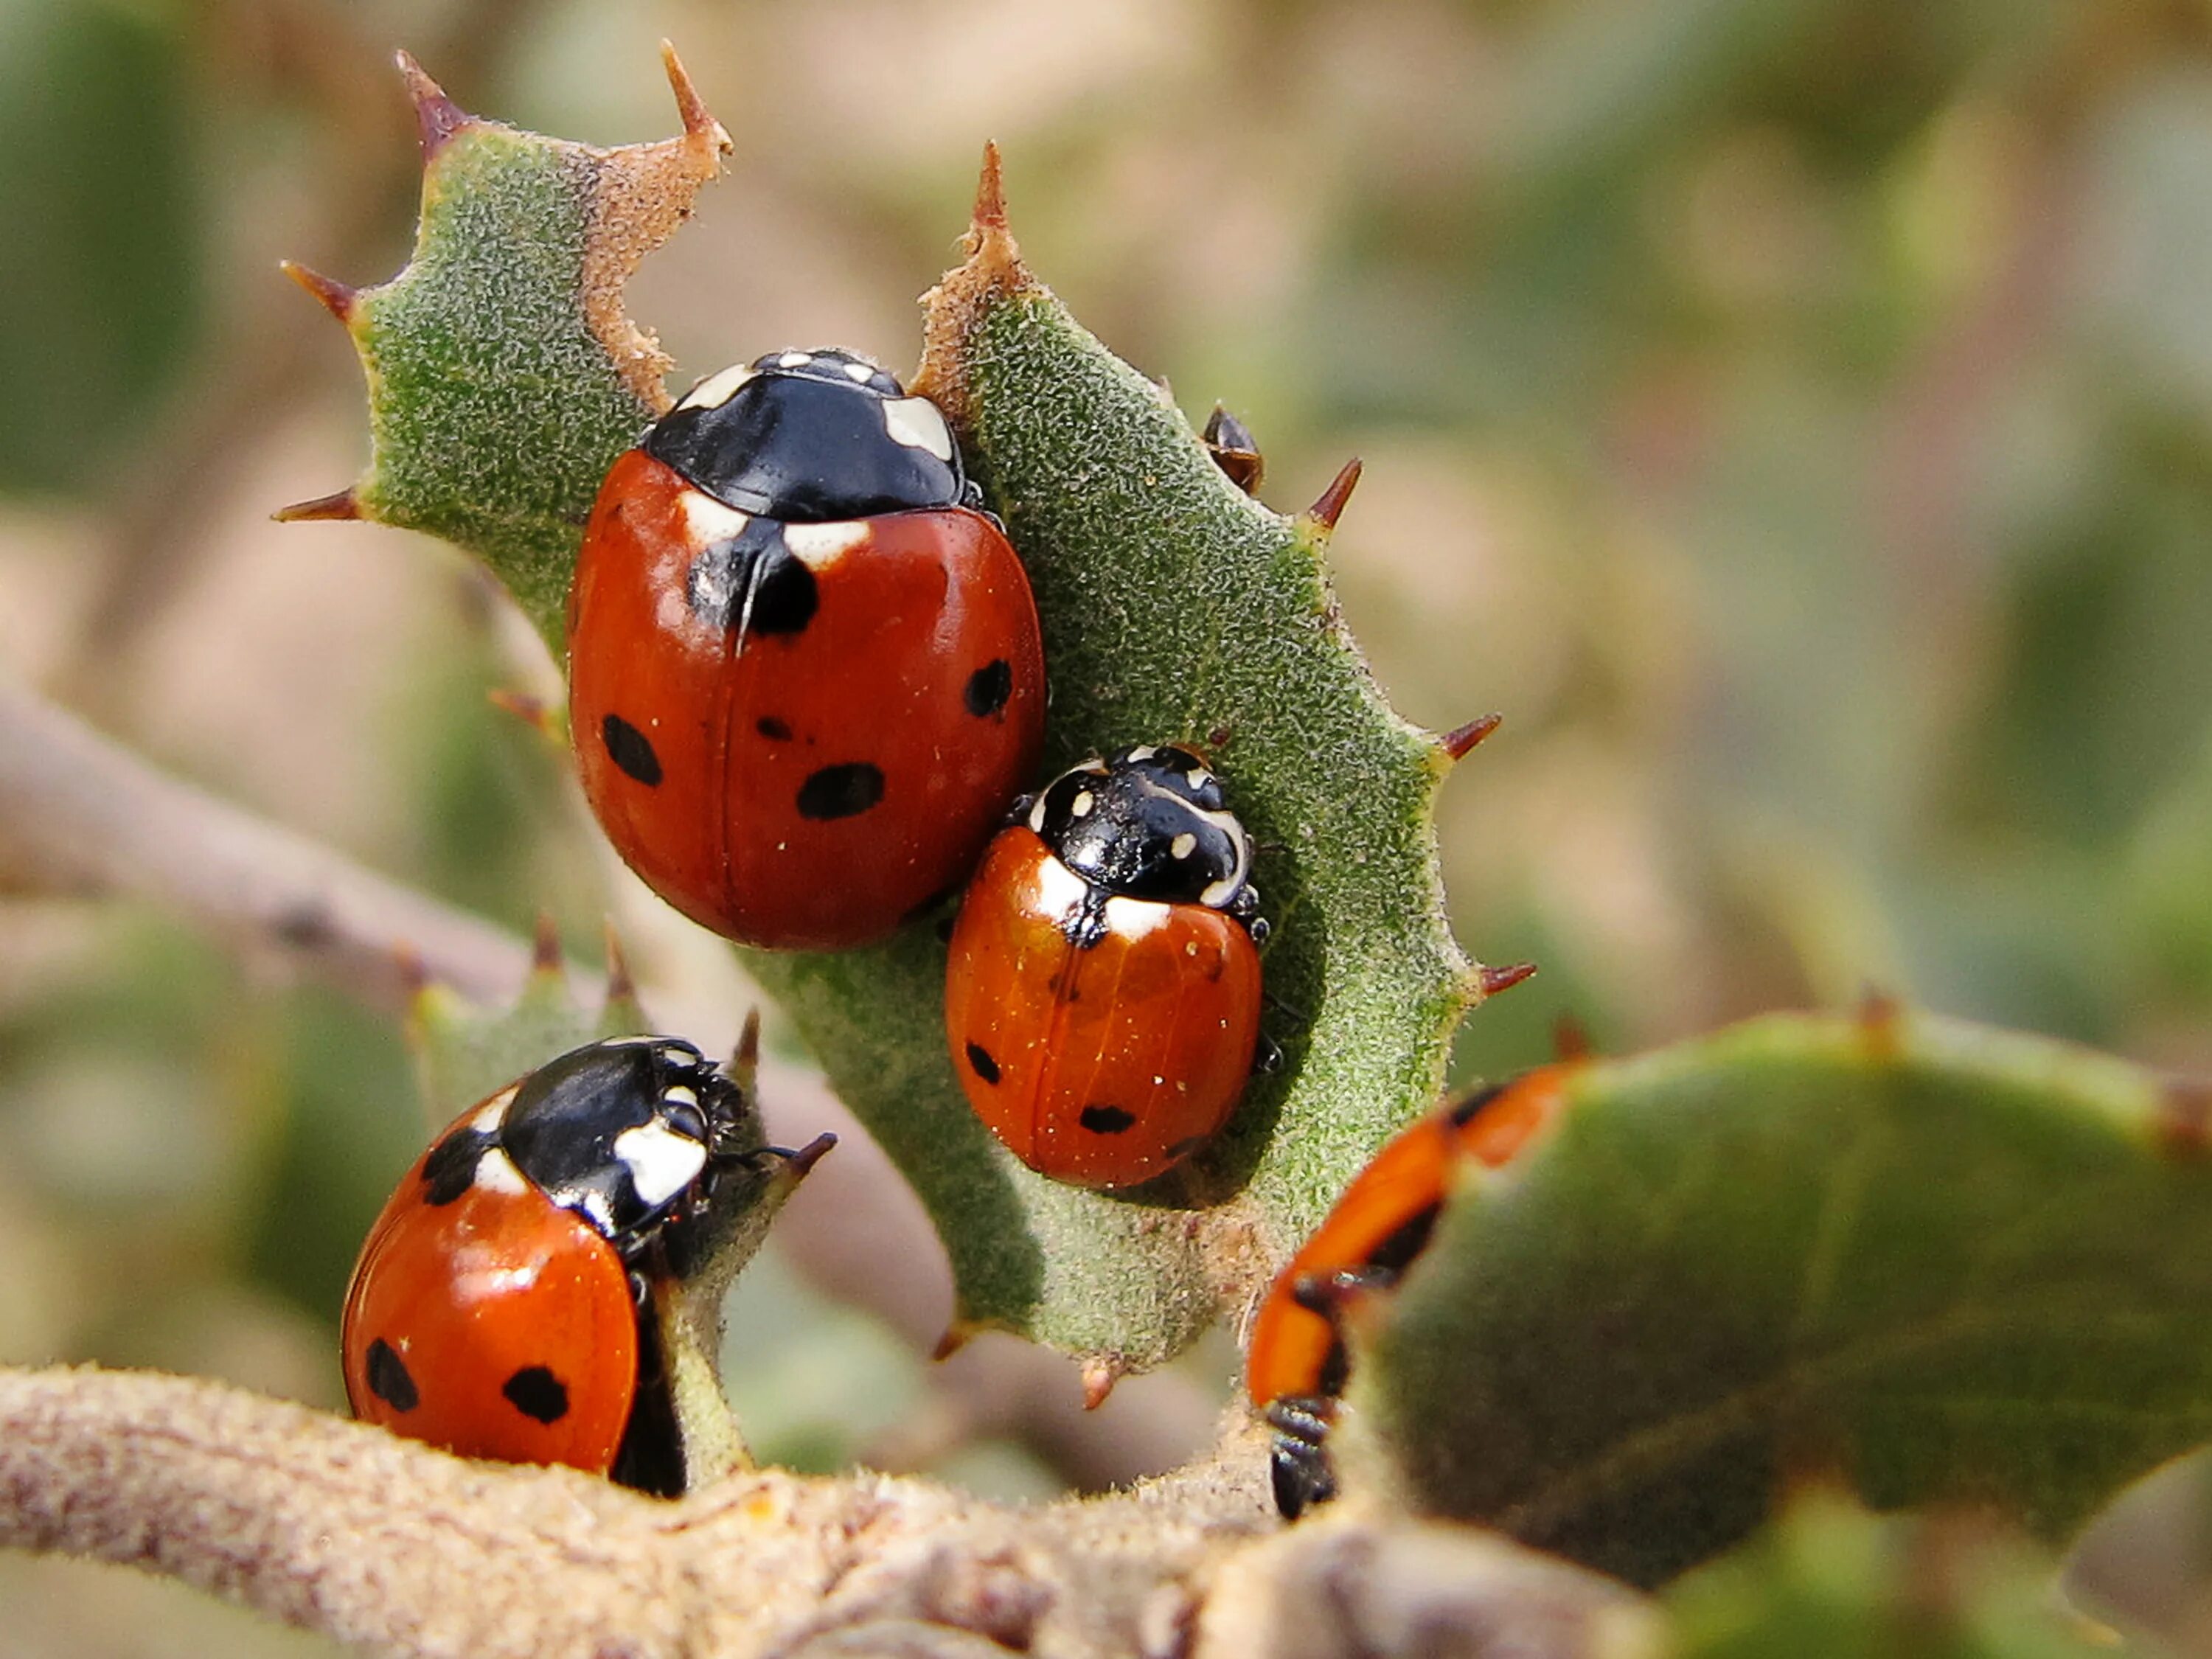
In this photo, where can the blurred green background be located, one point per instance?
(1795, 414)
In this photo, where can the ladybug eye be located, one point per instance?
(681, 1112)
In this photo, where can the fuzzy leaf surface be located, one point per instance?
(1933, 1261)
(1176, 610)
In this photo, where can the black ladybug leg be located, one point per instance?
(1299, 1461)
(1267, 1056)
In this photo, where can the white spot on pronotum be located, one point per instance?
(716, 389)
(1081, 805)
(915, 422)
(489, 1115)
(495, 1173)
(861, 373)
(1132, 919)
(1198, 777)
(707, 521)
(1059, 891)
(1144, 751)
(1183, 845)
(795, 360)
(819, 546)
(661, 1162)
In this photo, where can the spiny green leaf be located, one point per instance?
(1934, 1261)
(503, 376)
(1176, 609)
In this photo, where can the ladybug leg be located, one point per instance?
(1298, 1462)
(1267, 1056)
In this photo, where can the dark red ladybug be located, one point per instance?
(805, 675)
(1103, 997)
(1295, 1363)
(503, 1305)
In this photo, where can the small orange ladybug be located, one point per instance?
(805, 672)
(1295, 1363)
(1103, 995)
(503, 1304)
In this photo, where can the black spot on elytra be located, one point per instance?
(536, 1394)
(988, 688)
(786, 599)
(1185, 1147)
(773, 730)
(451, 1169)
(980, 1058)
(629, 749)
(388, 1379)
(1106, 1120)
(840, 792)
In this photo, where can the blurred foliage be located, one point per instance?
(1795, 414)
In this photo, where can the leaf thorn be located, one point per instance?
(339, 505)
(1100, 1374)
(796, 1164)
(1328, 507)
(1460, 740)
(622, 985)
(545, 947)
(437, 117)
(698, 121)
(1570, 1041)
(957, 1335)
(744, 1061)
(1494, 980)
(1233, 449)
(1879, 1015)
(337, 298)
(2184, 1118)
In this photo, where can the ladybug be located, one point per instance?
(1103, 995)
(1296, 1364)
(505, 1306)
(805, 674)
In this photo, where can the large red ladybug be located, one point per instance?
(804, 674)
(1295, 1363)
(503, 1306)
(1103, 997)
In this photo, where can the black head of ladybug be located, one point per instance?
(622, 1131)
(1150, 822)
(811, 437)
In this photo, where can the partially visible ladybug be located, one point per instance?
(805, 674)
(1296, 1364)
(505, 1303)
(1103, 997)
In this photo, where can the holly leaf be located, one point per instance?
(1929, 1261)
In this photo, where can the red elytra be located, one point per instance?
(809, 788)
(1382, 1220)
(1102, 1066)
(469, 1323)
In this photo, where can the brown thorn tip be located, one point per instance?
(340, 505)
(545, 945)
(1495, 980)
(336, 297)
(745, 1063)
(1329, 508)
(990, 212)
(1099, 1377)
(622, 987)
(957, 1336)
(796, 1164)
(414, 972)
(1460, 741)
(437, 117)
(699, 121)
